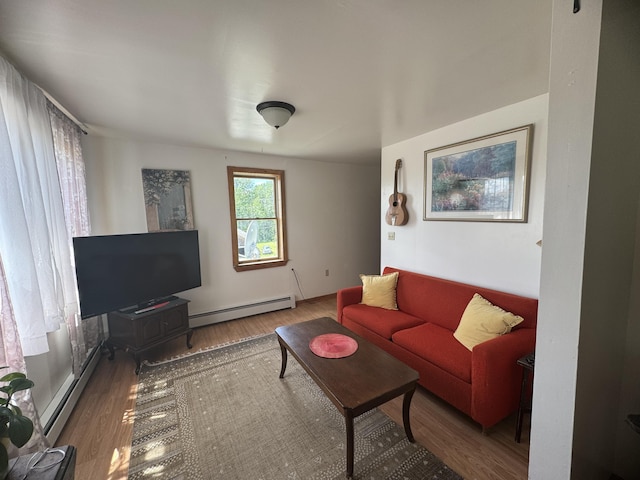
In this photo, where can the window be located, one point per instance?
(258, 231)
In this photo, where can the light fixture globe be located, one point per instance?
(274, 113)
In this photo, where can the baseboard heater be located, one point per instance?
(55, 416)
(241, 311)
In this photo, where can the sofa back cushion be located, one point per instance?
(443, 301)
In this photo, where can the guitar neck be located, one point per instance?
(395, 181)
(395, 187)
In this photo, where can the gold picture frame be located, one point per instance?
(485, 179)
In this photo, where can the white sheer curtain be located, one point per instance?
(34, 244)
(40, 163)
(11, 356)
(87, 334)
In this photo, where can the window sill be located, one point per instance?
(259, 265)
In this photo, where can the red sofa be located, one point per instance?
(483, 383)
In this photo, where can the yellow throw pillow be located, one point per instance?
(380, 290)
(482, 321)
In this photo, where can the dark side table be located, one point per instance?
(527, 363)
(61, 467)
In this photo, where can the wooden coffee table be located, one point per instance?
(355, 384)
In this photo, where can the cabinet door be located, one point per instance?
(176, 320)
(149, 329)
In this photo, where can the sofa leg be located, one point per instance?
(485, 431)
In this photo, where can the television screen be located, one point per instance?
(117, 272)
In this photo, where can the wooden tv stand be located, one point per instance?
(135, 333)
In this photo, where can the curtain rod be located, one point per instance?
(81, 126)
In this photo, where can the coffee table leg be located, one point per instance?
(405, 413)
(284, 360)
(348, 418)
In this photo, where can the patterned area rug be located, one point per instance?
(225, 414)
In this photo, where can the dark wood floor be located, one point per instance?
(101, 424)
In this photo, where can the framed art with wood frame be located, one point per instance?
(167, 199)
(484, 179)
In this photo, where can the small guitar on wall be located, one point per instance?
(397, 214)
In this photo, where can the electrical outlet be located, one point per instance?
(326, 273)
(391, 236)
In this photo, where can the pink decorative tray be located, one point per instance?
(333, 345)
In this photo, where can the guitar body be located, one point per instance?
(397, 214)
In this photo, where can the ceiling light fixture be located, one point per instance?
(275, 114)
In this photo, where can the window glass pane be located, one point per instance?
(254, 197)
(268, 239)
(257, 239)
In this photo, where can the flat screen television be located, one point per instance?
(134, 271)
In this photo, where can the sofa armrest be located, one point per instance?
(496, 377)
(348, 296)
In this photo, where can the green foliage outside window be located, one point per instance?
(255, 199)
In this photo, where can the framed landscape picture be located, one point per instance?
(167, 199)
(484, 179)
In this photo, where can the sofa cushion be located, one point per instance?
(383, 322)
(438, 346)
(443, 301)
(482, 321)
(380, 290)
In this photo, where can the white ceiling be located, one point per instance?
(362, 74)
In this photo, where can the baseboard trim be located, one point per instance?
(240, 311)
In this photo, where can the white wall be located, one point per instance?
(627, 461)
(571, 99)
(503, 256)
(332, 217)
(604, 353)
(586, 367)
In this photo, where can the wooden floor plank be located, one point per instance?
(101, 424)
